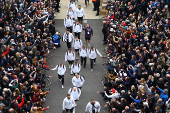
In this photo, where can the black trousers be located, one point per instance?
(70, 61)
(94, 4)
(77, 34)
(92, 61)
(62, 78)
(86, 2)
(68, 45)
(70, 29)
(79, 87)
(83, 61)
(97, 6)
(105, 36)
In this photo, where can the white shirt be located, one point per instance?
(69, 36)
(75, 94)
(71, 13)
(72, 5)
(78, 82)
(69, 56)
(89, 107)
(68, 22)
(80, 12)
(83, 52)
(113, 96)
(75, 68)
(77, 28)
(77, 44)
(61, 70)
(93, 54)
(68, 103)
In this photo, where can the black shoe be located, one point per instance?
(97, 14)
(84, 66)
(94, 9)
(59, 7)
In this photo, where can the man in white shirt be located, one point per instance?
(61, 71)
(70, 57)
(68, 104)
(93, 55)
(77, 28)
(77, 44)
(83, 55)
(80, 13)
(114, 95)
(71, 13)
(73, 5)
(68, 23)
(68, 38)
(93, 107)
(75, 68)
(78, 81)
(75, 93)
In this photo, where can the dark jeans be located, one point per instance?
(62, 78)
(77, 34)
(83, 59)
(94, 4)
(105, 36)
(97, 7)
(70, 29)
(68, 44)
(86, 2)
(91, 62)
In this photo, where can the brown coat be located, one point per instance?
(38, 90)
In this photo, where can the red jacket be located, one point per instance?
(6, 52)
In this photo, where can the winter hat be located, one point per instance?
(39, 87)
(113, 90)
(36, 94)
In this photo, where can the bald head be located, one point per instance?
(74, 88)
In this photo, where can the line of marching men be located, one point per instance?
(75, 50)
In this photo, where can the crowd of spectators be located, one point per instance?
(27, 32)
(137, 39)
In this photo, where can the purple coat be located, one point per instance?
(88, 32)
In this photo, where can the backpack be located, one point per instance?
(69, 11)
(74, 40)
(72, 53)
(90, 50)
(66, 18)
(70, 4)
(75, 25)
(81, 77)
(59, 65)
(72, 89)
(78, 65)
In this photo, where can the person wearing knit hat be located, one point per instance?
(39, 87)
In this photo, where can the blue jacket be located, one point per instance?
(56, 39)
(132, 62)
(163, 96)
(136, 100)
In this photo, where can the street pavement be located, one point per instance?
(92, 79)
